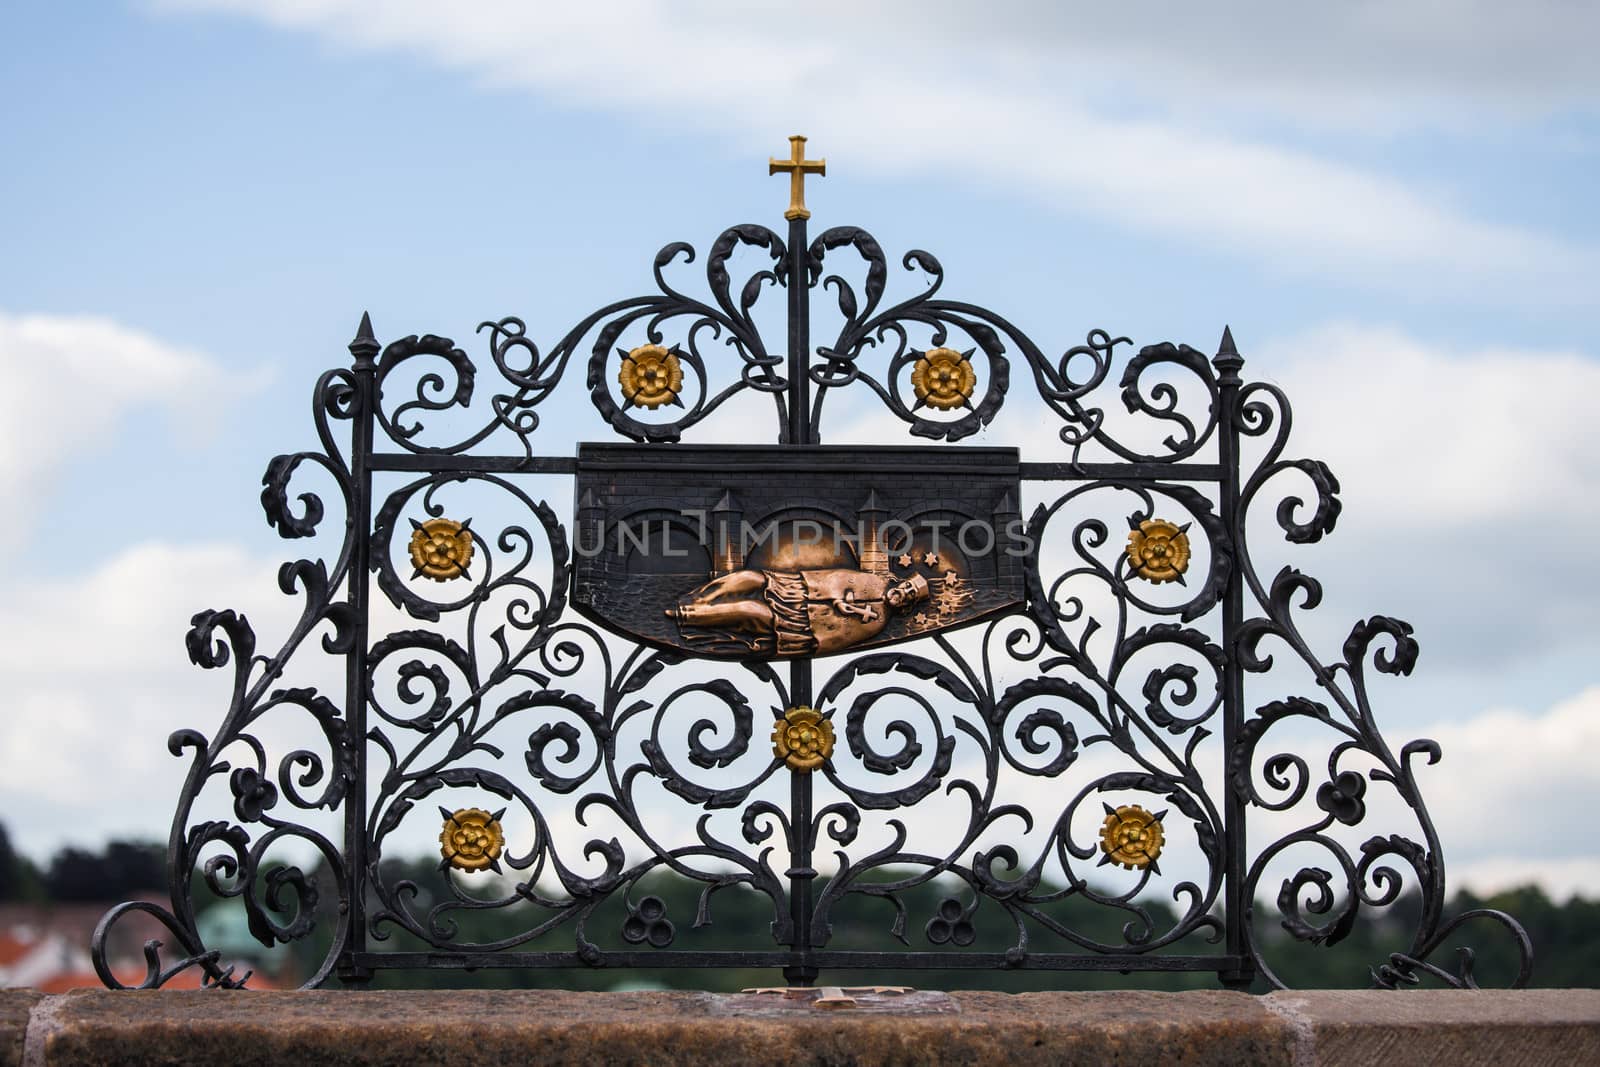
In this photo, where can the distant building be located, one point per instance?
(46, 947)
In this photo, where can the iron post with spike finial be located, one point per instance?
(365, 349)
(1228, 363)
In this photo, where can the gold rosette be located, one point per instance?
(650, 376)
(943, 378)
(1158, 551)
(803, 739)
(472, 839)
(441, 548)
(1131, 836)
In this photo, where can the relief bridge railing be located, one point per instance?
(814, 680)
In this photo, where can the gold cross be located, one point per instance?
(798, 167)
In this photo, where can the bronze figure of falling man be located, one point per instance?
(812, 612)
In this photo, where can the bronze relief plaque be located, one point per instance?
(771, 552)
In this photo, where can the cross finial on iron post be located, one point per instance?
(798, 167)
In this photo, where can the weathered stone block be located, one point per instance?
(15, 1007)
(556, 1027)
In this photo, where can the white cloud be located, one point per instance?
(1468, 484)
(1511, 777)
(70, 382)
(97, 677)
(1387, 65)
(1512, 798)
(1428, 434)
(1088, 113)
(1404, 60)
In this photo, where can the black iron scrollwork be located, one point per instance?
(1106, 705)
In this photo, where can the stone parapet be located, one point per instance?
(555, 1027)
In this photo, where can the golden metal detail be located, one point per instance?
(441, 549)
(472, 839)
(830, 996)
(944, 607)
(798, 167)
(1158, 551)
(651, 375)
(943, 378)
(817, 610)
(803, 739)
(1131, 836)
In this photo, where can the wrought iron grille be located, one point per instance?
(1091, 744)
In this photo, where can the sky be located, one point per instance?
(1391, 204)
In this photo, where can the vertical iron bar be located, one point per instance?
(1228, 362)
(799, 432)
(799, 428)
(364, 348)
(800, 873)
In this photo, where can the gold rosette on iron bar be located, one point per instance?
(650, 376)
(943, 378)
(1158, 551)
(472, 839)
(803, 739)
(441, 549)
(1132, 837)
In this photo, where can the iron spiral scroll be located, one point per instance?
(1092, 746)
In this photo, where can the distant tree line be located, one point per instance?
(79, 875)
